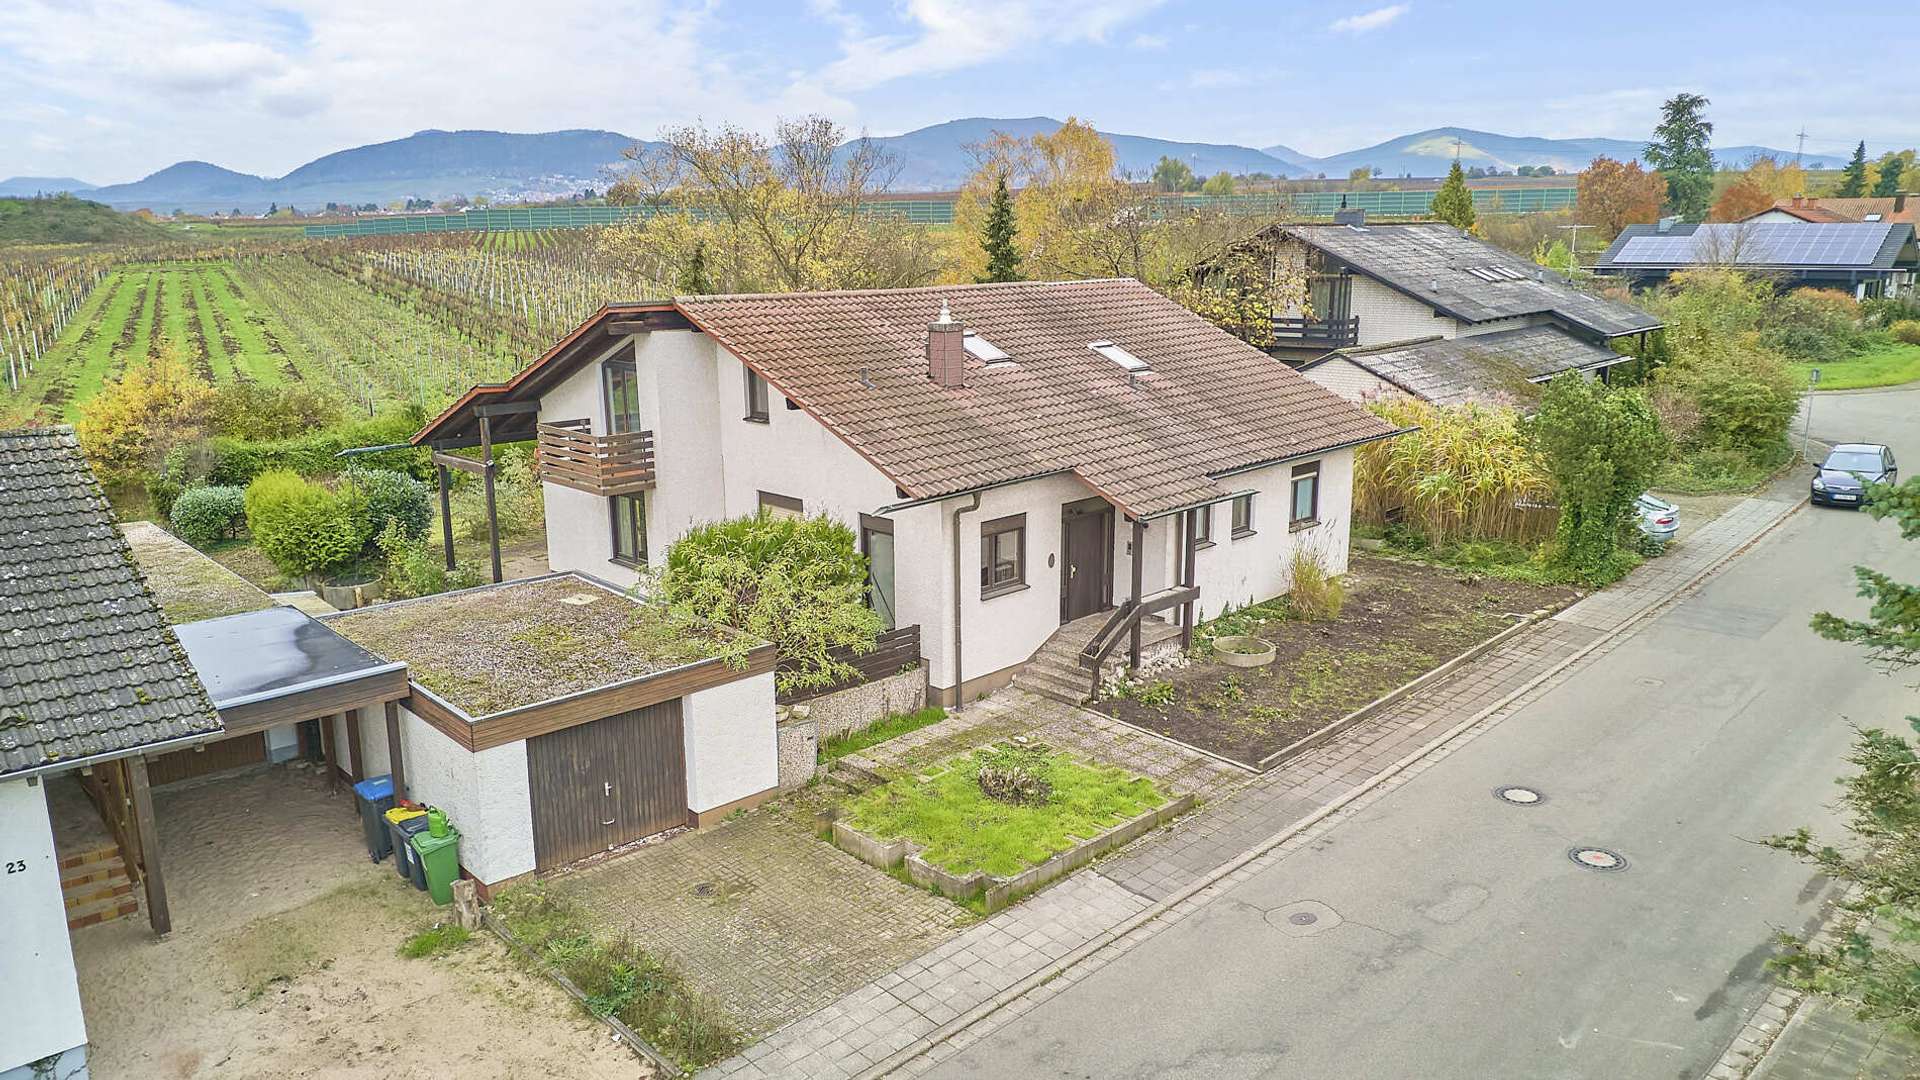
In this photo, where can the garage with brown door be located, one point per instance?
(606, 783)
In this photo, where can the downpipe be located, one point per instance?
(959, 670)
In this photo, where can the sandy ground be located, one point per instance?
(284, 961)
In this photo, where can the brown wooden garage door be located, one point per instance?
(604, 783)
(211, 758)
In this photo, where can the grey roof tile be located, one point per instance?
(88, 664)
(1499, 366)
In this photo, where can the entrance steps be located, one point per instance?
(1054, 671)
(97, 887)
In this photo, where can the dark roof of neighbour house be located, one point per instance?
(1857, 246)
(1152, 442)
(88, 664)
(1466, 277)
(1838, 209)
(1503, 365)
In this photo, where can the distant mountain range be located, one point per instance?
(512, 167)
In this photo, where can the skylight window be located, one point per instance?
(1496, 273)
(985, 351)
(1119, 355)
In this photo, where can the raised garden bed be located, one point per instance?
(1399, 620)
(947, 834)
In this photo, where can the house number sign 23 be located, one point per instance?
(16, 866)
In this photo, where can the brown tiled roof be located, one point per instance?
(1209, 403)
(1838, 209)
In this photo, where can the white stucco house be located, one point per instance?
(1014, 458)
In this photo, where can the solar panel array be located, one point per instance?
(1761, 244)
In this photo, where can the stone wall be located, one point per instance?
(807, 724)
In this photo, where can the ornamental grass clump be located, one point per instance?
(1314, 594)
(1468, 472)
(1014, 774)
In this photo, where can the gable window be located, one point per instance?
(781, 505)
(1203, 527)
(1242, 515)
(1003, 555)
(1306, 495)
(629, 530)
(756, 396)
(622, 381)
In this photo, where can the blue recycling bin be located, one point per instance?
(375, 796)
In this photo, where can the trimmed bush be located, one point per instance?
(305, 528)
(393, 499)
(1906, 331)
(207, 515)
(411, 567)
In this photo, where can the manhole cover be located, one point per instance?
(1303, 918)
(1519, 796)
(1594, 858)
(705, 888)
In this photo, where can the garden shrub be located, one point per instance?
(410, 567)
(130, 425)
(1014, 774)
(1468, 471)
(1313, 594)
(797, 582)
(1814, 325)
(207, 515)
(304, 527)
(1744, 395)
(1603, 446)
(393, 498)
(253, 410)
(1906, 331)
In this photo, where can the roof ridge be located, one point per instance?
(972, 286)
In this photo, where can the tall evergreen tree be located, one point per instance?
(1892, 168)
(1853, 182)
(1453, 203)
(1680, 152)
(996, 236)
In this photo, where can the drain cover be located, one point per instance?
(1519, 796)
(1303, 918)
(705, 888)
(1594, 858)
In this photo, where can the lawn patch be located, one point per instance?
(962, 829)
(892, 727)
(438, 938)
(1888, 364)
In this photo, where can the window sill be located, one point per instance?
(757, 419)
(1242, 534)
(1202, 545)
(1004, 590)
(631, 564)
(1303, 525)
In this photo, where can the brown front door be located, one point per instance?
(1084, 563)
(605, 783)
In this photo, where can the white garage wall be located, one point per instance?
(485, 794)
(731, 744)
(39, 994)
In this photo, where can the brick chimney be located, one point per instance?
(1899, 201)
(947, 350)
(1799, 201)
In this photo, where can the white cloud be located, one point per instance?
(1369, 21)
(944, 36)
(1149, 42)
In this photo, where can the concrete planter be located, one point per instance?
(352, 595)
(1001, 892)
(1238, 650)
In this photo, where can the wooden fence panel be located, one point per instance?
(892, 651)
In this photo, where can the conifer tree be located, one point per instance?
(1853, 182)
(996, 237)
(1453, 203)
(1892, 166)
(1680, 152)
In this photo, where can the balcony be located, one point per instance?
(1317, 333)
(569, 454)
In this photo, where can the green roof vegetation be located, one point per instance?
(491, 649)
(189, 586)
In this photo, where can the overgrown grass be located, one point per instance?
(892, 727)
(438, 938)
(620, 979)
(1885, 364)
(1719, 472)
(963, 829)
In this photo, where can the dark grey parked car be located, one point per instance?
(1842, 479)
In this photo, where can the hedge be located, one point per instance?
(303, 527)
(206, 515)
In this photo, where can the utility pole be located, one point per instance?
(1801, 148)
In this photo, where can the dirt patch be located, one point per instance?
(1399, 621)
(321, 991)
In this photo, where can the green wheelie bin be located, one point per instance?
(441, 857)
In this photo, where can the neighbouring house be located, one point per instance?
(1866, 259)
(1019, 461)
(1899, 208)
(91, 678)
(1504, 367)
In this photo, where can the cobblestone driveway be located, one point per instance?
(763, 914)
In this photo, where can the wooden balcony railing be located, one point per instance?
(569, 454)
(1330, 333)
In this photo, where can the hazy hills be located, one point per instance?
(505, 166)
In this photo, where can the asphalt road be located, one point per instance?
(1456, 939)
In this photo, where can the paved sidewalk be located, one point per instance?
(1824, 1042)
(902, 1009)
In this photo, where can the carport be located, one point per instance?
(272, 670)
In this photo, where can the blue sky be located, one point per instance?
(109, 90)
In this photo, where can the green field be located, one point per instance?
(1882, 365)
